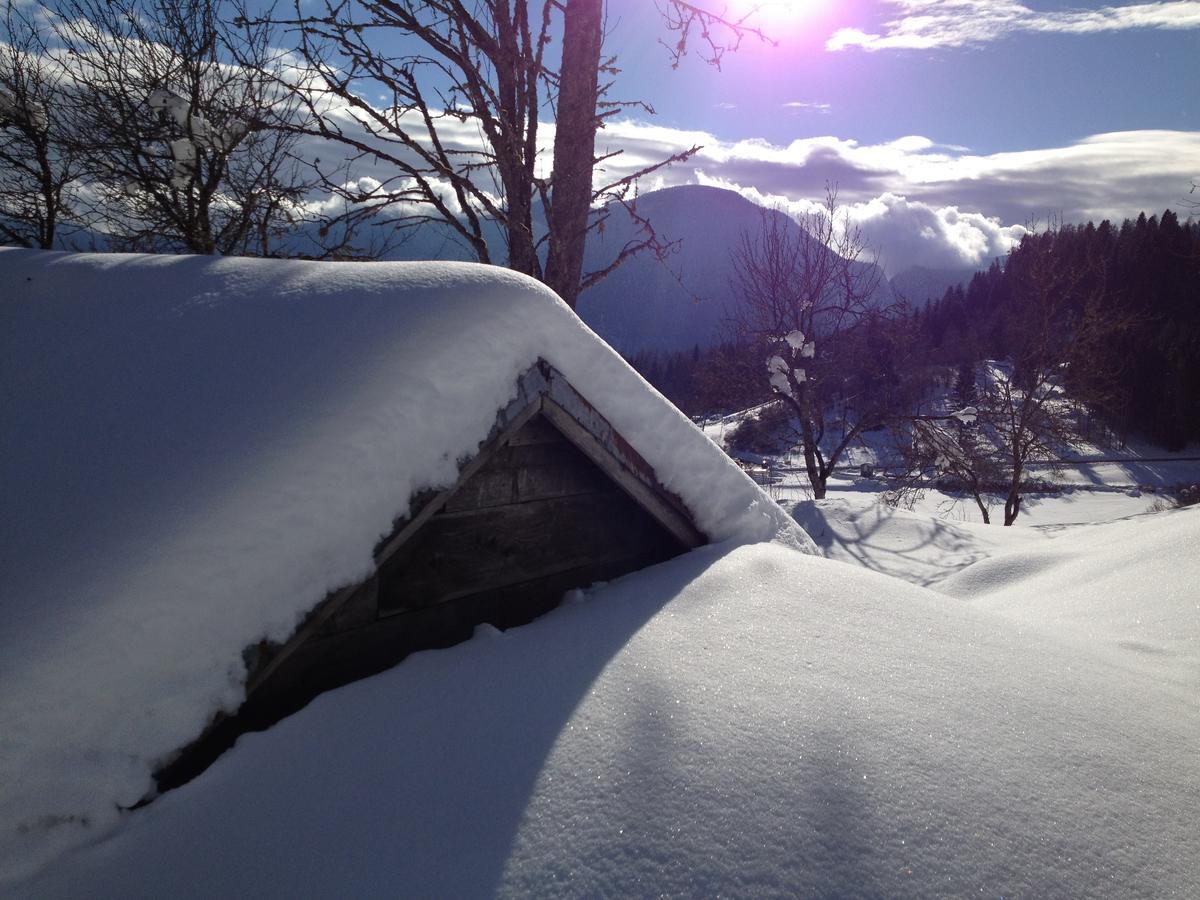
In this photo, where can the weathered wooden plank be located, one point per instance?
(523, 456)
(536, 431)
(332, 660)
(412, 526)
(633, 480)
(463, 553)
(359, 609)
(529, 472)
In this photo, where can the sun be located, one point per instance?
(773, 15)
(778, 10)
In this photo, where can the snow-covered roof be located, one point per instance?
(194, 451)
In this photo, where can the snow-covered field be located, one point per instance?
(751, 722)
(929, 707)
(1098, 484)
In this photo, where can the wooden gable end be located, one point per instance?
(555, 499)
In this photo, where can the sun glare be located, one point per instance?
(772, 12)
(778, 19)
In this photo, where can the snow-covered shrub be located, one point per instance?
(767, 431)
(1178, 497)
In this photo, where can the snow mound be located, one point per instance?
(753, 722)
(1002, 573)
(917, 548)
(1127, 591)
(194, 451)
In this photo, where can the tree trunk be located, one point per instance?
(1012, 505)
(516, 171)
(574, 146)
(808, 438)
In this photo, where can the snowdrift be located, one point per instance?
(196, 450)
(1127, 592)
(753, 722)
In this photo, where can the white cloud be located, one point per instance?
(939, 205)
(803, 106)
(1103, 176)
(901, 233)
(907, 232)
(917, 200)
(924, 24)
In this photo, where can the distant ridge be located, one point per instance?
(921, 285)
(684, 302)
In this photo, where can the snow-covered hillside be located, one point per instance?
(687, 300)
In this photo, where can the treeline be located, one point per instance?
(1142, 278)
(706, 380)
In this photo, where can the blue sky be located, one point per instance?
(1017, 91)
(963, 119)
(948, 126)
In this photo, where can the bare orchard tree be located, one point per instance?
(181, 141)
(1029, 406)
(952, 448)
(804, 291)
(1058, 325)
(37, 166)
(451, 125)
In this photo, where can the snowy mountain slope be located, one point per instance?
(194, 451)
(686, 300)
(683, 301)
(920, 285)
(752, 722)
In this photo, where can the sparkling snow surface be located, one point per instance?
(193, 451)
(746, 722)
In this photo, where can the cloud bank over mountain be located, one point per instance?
(924, 203)
(917, 201)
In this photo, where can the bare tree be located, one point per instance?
(451, 127)
(1029, 406)
(175, 112)
(804, 289)
(953, 448)
(37, 165)
(719, 33)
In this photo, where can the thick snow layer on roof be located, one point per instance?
(193, 451)
(753, 722)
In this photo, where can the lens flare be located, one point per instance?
(776, 18)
